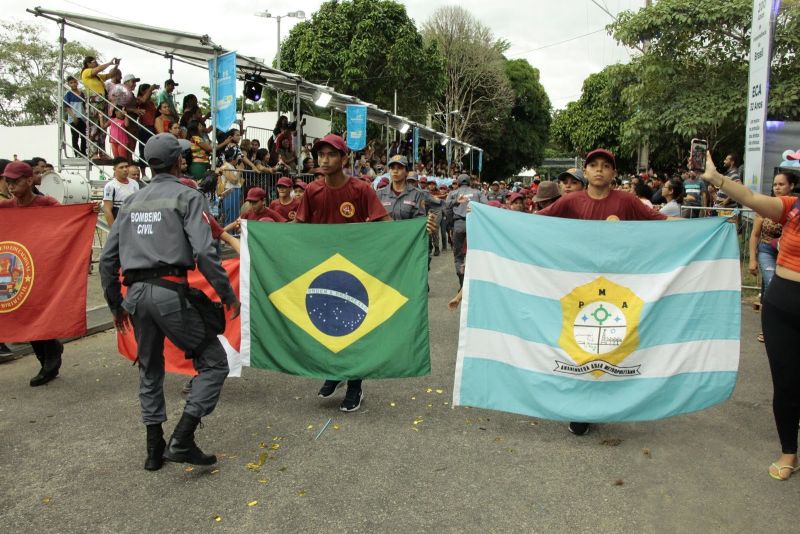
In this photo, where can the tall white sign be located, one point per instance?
(760, 47)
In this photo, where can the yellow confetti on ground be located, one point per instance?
(415, 429)
(277, 438)
(413, 398)
(430, 405)
(336, 427)
(418, 420)
(262, 480)
(439, 391)
(429, 390)
(189, 469)
(252, 503)
(310, 427)
(215, 471)
(275, 446)
(392, 404)
(217, 518)
(262, 445)
(301, 493)
(445, 403)
(46, 500)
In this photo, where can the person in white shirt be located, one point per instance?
(117, 190)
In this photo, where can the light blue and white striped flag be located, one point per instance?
(598, 321)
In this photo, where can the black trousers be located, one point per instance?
(780, 321)
(48, 352)
(78, 133)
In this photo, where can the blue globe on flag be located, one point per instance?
(337, 303)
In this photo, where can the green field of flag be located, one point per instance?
(336, 301)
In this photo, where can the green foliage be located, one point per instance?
(29, 73)
(520, 140)
(691, 81)
(693, 78)
(596, 118)
(369, 49)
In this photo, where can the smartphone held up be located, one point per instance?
(697, 159)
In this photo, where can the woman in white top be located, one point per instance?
(673, 193)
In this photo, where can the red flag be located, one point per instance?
(44, 267)
(175, 359)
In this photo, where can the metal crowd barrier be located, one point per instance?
(743, 218)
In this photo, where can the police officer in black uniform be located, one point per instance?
(161, 233)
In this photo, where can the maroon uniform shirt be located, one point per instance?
(354, 202)
(38, 200)
(623, 206)
(266, 212)
(289, 211)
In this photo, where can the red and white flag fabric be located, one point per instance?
(175, 359)
(44, 261)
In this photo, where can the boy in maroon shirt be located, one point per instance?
(339, 199)
(600, 202)
(19, 177)
(258, 211)
(285, 204)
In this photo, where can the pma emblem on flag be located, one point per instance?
(337, 303)
(600, 329)
(16, 275)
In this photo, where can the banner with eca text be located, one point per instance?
(356, 126)
(334, 308)
(764, 13)
(44, 261)
(175, 360)
(598, 321)
(222, 80)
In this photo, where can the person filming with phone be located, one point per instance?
(780, 316)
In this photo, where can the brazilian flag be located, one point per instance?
(336, 301)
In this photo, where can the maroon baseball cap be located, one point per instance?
(255, 194)
(300, 184)
(601, 153)
(514, 196)
(284, 181)
(333, 140)
(495, 204)
(17, 169)
(423, 180)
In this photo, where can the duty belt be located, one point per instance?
(170, 272)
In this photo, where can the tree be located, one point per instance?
(369, 49)
(521, 139)
(477, 87)
(693, 78)
(29, 73)
(596, 118)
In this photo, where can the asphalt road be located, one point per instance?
(71, 456)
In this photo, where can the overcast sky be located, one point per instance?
(536, 30)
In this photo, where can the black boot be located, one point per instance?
(47, 373)
(182, 448)
(155, 448)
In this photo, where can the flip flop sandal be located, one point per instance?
(760, 338)
(779, 468)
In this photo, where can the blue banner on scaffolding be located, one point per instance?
(416, 145)
(356, 126)
(223, 92)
